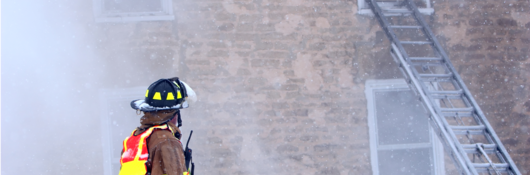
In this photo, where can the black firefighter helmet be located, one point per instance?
(165, 94)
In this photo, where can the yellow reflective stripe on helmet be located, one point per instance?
(179, 96)
(170, 96)
(157, 96)
(146, 92)
(176, 84)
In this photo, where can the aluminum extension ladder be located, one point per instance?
(454, 114)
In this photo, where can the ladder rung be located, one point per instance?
(460, 114)
(470, 109)
(475, 127)
(426, 64)
(406, 27)
(415, 42)
(466, 132)
(425, 59)
(436, 75)
(472, 148)
(457, 92)
(487, 165)
(396, 11)
(446, 96)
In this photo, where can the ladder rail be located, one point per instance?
(427, 30)
(447, 137)
(437, 123)
(463, 161)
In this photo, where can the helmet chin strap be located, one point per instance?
(179, 120)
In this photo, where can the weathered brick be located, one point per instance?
(259, 81)
(326, 147)
(226, 27)
(250, 18)
(265, 63)
(480, 22)
(487, 40)
(277, 36)
(475, 56)
(224, 17)
(475, 30)
(273, 95)
(276, 17)
(265, 27)
(243, 54)
(288, 73)
(310, 138)
(217, 53)
(264, 45)
(275, 54)
(270, 113)
(329, 171)
(458, 47)
(506, 22)
(297, 80)
(243, 46)
(245, 27)
(290, 87)
(244, 37)
(301, 112)
(243, 72)
(287, 120)
(198, 62)
(217, 44)
(317, 46)
(474, 47)
(215, 140)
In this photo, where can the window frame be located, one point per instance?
(362, 8)
(100, 15)
(371, 86)
(106, 99)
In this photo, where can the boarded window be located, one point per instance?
(132, 10)
(401, 140)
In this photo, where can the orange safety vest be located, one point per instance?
(135, 153)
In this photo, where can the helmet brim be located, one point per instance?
(145, 107)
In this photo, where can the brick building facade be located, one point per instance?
(281, 84)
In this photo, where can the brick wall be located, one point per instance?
(281, 83)
(488, 42)
(277, 85)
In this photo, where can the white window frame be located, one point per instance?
(363, 9)
(107, 97)
(371, 87)
(102, 16)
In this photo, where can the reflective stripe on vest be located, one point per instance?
(135, 153)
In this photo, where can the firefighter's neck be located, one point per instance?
(175, 119)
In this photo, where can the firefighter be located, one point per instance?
(155, 148)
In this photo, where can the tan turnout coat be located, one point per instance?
(166, 155)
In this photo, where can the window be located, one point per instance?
(401, 139)
(118, 120)
(424, 6)
(132, 10)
